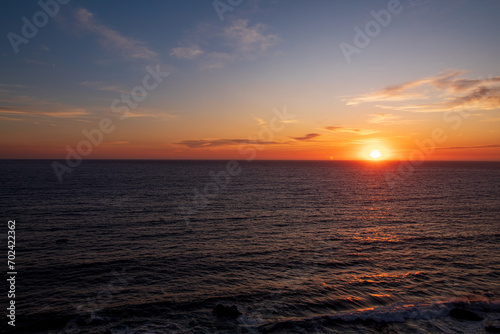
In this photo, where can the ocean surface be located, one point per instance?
(297, 247)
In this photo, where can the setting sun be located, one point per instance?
(375, 154)
(376, 151)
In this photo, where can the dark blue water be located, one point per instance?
(302, 247)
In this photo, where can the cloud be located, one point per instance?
(14, 103)
(214, 46)
(307, 137)
(113, 40)
(37, 62)
(13, 106)
(204, 143)
(249, 39)
(408, 90)
(151, 113)
(418, 2)
(482, 98)
(11, 118)
(467, 147)
(190, 52)
(491, 119)
(361, 132)
(400, 92)
(448, 80)
(118, 142)
(448, 89)
(65, 113)
(215, 60)
(100, 85)
(382, 118)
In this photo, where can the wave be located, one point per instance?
(394, 313)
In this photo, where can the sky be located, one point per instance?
(248, 79)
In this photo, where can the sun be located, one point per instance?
(375, 154)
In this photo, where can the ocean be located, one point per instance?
(296, 246)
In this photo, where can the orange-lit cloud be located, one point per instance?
(150, 113)
(61, 113)
(382, 118)
(448, 89)
(361, 132)
(7, 118)
(22, 105)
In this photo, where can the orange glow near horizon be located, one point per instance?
(154, 150)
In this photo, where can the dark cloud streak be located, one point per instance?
(307, 137)
(203, 143)
(466, 147)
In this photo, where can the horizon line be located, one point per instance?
(291, 160)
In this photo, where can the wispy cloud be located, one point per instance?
(37, 62)
(151, 113)
(467, 147)
(214, 47)
(64, 113)
(118, 142)
(414, 3)
(249, 40)
(13, 119)
(187, 52)
(386, 119)
(483, 98)
(448, 88)
(15, 105)
(383, 118)
(10, 87)
(204, 143)
(361, 132)
(113, 40)
(100, 85)
(497, 119)
(418, 89)
(307, 137)
(215, 60)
